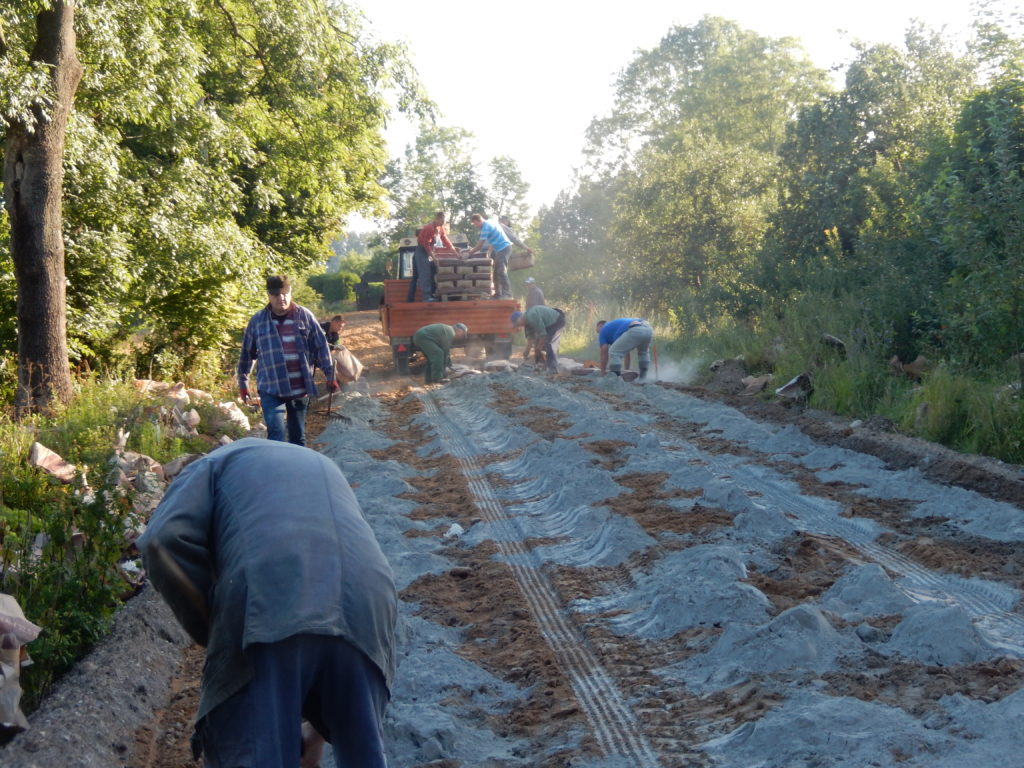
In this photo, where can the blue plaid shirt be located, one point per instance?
(262, 342)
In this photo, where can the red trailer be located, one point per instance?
(461, 300)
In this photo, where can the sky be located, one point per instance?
(527, 77)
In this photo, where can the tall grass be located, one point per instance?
(60, 547)
(971, 411)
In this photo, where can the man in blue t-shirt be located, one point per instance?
(492, 235)
(618, 337)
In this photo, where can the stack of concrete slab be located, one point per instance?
(468, 278)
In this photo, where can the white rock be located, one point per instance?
(454, 531)
(42, 457)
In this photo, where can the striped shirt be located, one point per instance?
(286, 351)
(290, 349)
(495, 236)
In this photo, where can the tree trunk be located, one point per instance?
(33, 186)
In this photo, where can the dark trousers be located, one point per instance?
(502, 287)
(553, 335)
(322, 679)
(423, 273)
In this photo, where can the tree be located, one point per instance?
(579, 255)
(733, 85)
(33, 179)
(213, 141)
(694, 219)
(975, 218)
(508, 189)
(853, 163)
(690, 149)
(436, 173)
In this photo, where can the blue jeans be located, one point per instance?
(274, 411)
(319, 678)
(422, 273)
(502, 287)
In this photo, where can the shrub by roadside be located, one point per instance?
(66, 546)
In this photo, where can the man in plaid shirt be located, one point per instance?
(288, 342)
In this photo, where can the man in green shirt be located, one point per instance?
(435, 342)
(544, 325)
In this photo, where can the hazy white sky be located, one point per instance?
(556, 61)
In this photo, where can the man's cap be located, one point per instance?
(461, 327)
(515, 317)
(529, 281)
(278, 284)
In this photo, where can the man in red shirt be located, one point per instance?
(422, 261)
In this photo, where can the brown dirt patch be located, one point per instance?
(482, 597)
(917, 688)
(610, 453)
(808, 566)
(164, 742)
(969, 557)
(646, 500)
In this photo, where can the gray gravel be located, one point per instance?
(89, 721)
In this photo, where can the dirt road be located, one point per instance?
(597, 574)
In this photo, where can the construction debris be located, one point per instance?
(913, 370)
(15, 632)
(42, 457)
(494, 366)
(173, 467)
(756, 384)
(798, 389)
(834, 342)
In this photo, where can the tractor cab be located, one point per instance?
(406, 251)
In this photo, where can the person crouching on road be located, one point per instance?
(545, 325)
(618, 337)
(435, 342)
(534, 297)
(262, 552)
(332, 330)
(287, 341)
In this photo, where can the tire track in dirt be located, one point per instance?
(614, 724)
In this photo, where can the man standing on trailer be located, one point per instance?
(493, 236)
(423, 259)
(506, 227)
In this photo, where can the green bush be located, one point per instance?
(59, 547)
(58, 557)
(334, 287)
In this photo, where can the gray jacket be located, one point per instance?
(534, 296)
(262, 540)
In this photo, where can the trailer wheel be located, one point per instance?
(401, 360)
(498, 349)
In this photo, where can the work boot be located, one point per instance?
(643, 373)
(616, 369)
